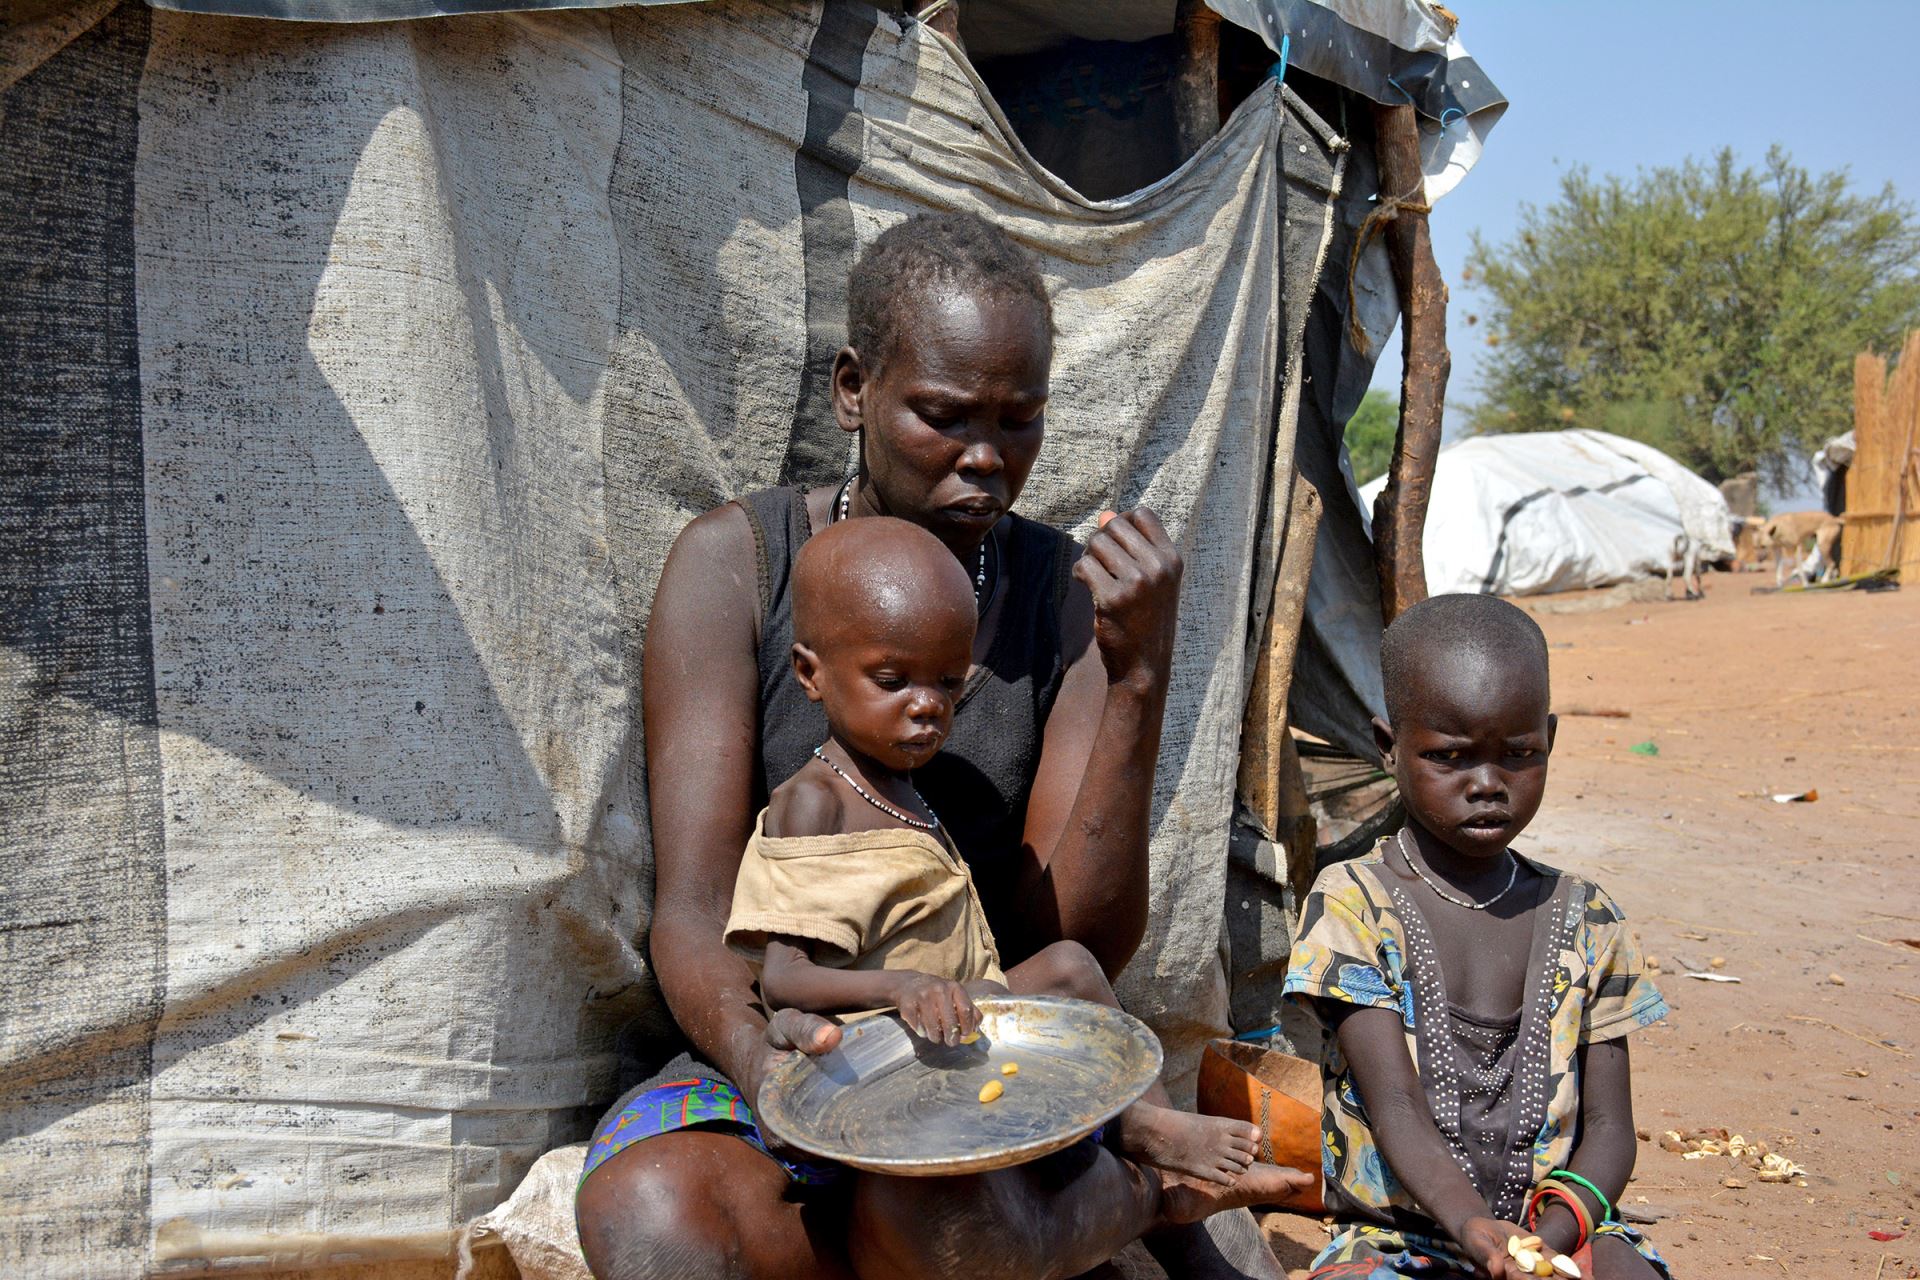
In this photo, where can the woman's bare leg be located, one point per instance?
(704, 1205)
(701, 1204)
(1052, 1218)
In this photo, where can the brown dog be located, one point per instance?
(1786, 536)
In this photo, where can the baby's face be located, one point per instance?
(1471, 753)
(889, 689)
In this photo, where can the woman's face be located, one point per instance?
(954, 416)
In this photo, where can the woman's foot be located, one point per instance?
(1184, 1199)
(1205, 1147)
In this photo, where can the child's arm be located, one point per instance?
(934, 1008)
(1373, 1041)
(1605, 1153)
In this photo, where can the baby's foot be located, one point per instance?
(1184, 1199)
(1205, 1147)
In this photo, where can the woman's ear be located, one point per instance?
(806, 669)
(849, 382)
(1383, 742)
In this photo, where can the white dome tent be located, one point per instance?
(1559, 511)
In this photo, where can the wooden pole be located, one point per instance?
(945, 19)
(1271, 784)
(1196, 81)
(1400, 512)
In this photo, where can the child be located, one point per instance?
(850, 896)
(1476, 1002)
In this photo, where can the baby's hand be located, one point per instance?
(936, 1009)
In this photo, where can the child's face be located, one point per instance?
(888, 689)
(1470, 753)
(955, 416)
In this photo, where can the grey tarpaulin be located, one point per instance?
(358, 380)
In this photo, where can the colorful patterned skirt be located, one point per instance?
(690, 1095)
(1365, 1252)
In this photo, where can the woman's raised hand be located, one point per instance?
(1133, 572)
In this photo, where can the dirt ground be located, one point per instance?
(1816, 1051)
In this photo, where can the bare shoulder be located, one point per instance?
(807, 804)
(718, 540)
(708, 602)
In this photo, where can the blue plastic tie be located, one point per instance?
(1279, 69)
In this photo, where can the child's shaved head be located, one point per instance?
(876, 574)
(1452, 635)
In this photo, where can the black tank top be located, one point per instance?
(980, 781)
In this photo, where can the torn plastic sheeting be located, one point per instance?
(1392, 54)
(1559, 511)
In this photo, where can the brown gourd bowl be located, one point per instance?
(1276, 1091)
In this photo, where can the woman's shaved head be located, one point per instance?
(879, 575)
(1457, 636)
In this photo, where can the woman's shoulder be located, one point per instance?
(722, 535)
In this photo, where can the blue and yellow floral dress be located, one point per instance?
(1363, 941)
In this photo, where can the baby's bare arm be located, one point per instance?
(789, 979)
(935, 1008)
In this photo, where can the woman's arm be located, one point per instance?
(1087, 818)
(935, 1008)
(1606, 1148)
(701, 703)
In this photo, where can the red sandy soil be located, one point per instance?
(1817, 1050)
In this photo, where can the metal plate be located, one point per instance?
(888, 1101)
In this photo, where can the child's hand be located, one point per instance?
(935, 1008)
(1485, 1241)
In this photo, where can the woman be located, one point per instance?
(945, 381)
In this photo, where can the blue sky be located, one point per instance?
(1633, 84)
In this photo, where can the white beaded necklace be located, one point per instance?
(845, 501)
(880, 804)
(1512, 875)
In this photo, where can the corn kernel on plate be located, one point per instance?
(1045, 1072)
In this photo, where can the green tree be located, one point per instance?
(1711, 310)
(1370, 435)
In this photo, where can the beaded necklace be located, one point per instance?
(1512, 875)
(880, 804)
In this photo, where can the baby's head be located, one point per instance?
(883, 621)
(1468, 726)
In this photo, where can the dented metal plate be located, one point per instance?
(888, 1101)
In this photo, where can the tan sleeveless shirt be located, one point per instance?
(888, 899)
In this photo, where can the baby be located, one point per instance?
(851, 897)
(1477, 1002)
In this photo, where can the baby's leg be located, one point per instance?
(1151, 1131)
